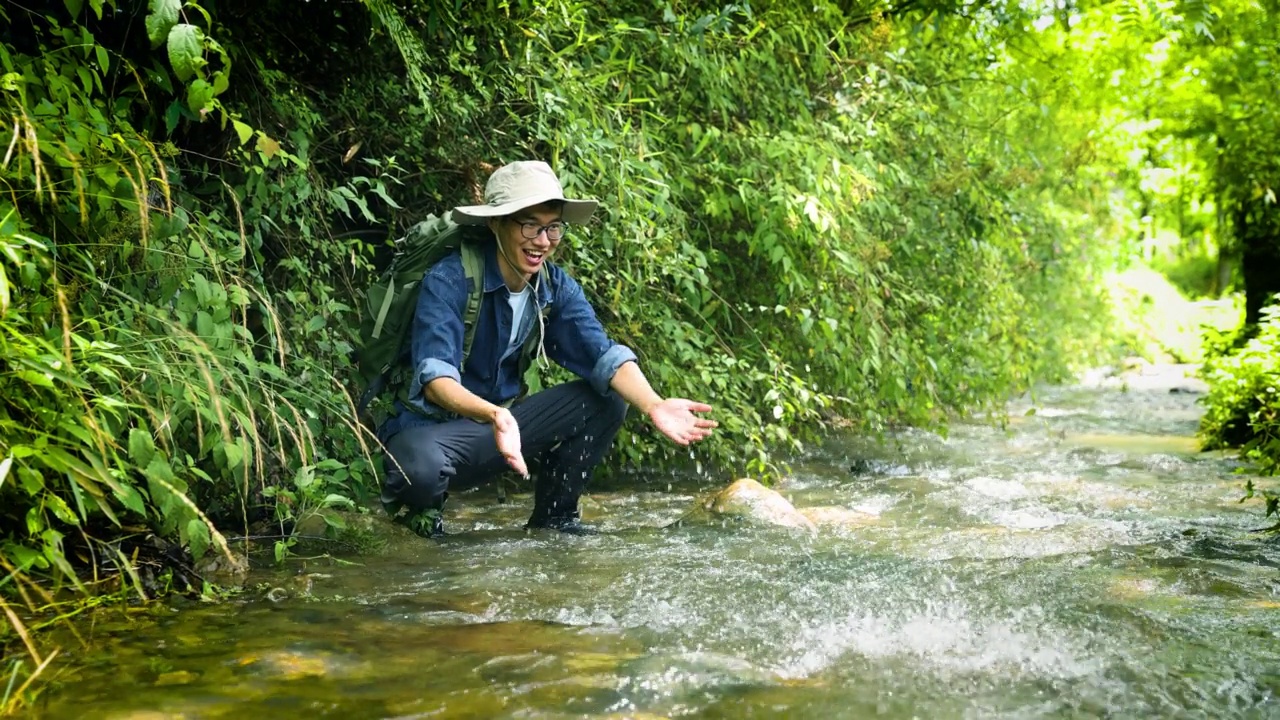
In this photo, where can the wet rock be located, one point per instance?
(1133, 587)
(591, 509)
(343, 531)
(226, 569)
(749, 502)
(861, 466)
(830, 517)
(178, 677)
(289, 664)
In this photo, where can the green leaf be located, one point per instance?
(129, 497)
(234, 453)
(336, 500)
(186, 51)
(197, 537)
(305, 477)
(53, 551)
(381, 192)
(243, 131)
(221, 81)
(86, 79)
(74, 7)
(158, 473)
(141, 447)
(238, 296)
(35, 378)
(24, 558)
(104, 59)
(171, 116)
(201, 284)
(161, 19)
(60, 509)
(200, 97)
(204, 325)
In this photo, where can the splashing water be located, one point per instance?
(1086, 562)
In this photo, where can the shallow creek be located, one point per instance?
(1083, 562)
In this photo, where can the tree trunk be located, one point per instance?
(1258, 230)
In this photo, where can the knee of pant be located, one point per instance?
(416, 477)
(613, 409)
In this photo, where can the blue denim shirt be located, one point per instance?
(575, 339)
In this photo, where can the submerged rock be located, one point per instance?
(831, 517)
(747, 501)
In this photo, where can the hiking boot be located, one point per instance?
(392, 507)
(568, 526)
(427, 523)
(566, 521)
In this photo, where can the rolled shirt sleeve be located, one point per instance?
(577, 340)
(607, 366)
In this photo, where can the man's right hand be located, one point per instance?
(452, 396)
(507, 434)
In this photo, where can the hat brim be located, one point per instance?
(575, 211)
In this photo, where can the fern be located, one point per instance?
(410, 47)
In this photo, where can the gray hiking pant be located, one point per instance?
(565, 431)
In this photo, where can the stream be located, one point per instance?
(1085, 561)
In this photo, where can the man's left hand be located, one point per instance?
(676, 419)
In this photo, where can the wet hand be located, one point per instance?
(675, 418)
(506, 432)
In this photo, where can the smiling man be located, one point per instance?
(469, 420)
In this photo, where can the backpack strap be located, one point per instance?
(473, 268)
(386, 306)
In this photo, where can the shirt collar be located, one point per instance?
(493, 274)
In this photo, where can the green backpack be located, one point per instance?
(391, 303)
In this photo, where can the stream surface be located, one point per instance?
(1084, 562)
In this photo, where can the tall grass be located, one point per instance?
(153, 397)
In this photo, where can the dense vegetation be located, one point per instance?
(1243, 406)
(814, 214)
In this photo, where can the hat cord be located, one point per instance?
(541, 356)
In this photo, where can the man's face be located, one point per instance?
(526, 254)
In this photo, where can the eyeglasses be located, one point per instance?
(531, 230)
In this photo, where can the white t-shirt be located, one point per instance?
(519, 304)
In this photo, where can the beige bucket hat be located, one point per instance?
(519, 185)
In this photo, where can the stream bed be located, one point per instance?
(1084, 561)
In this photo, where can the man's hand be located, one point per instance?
(675, 418)
(507, 434)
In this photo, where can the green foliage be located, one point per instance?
(809, 229)
(805, 213)
(810, 216)
(1195, 275)
(1156, 322)
(1243, 405)
(155, 383)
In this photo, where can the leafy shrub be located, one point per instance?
(1243, 404)
(803, 221)
(1196, 275)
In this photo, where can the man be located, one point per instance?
(463, 428)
